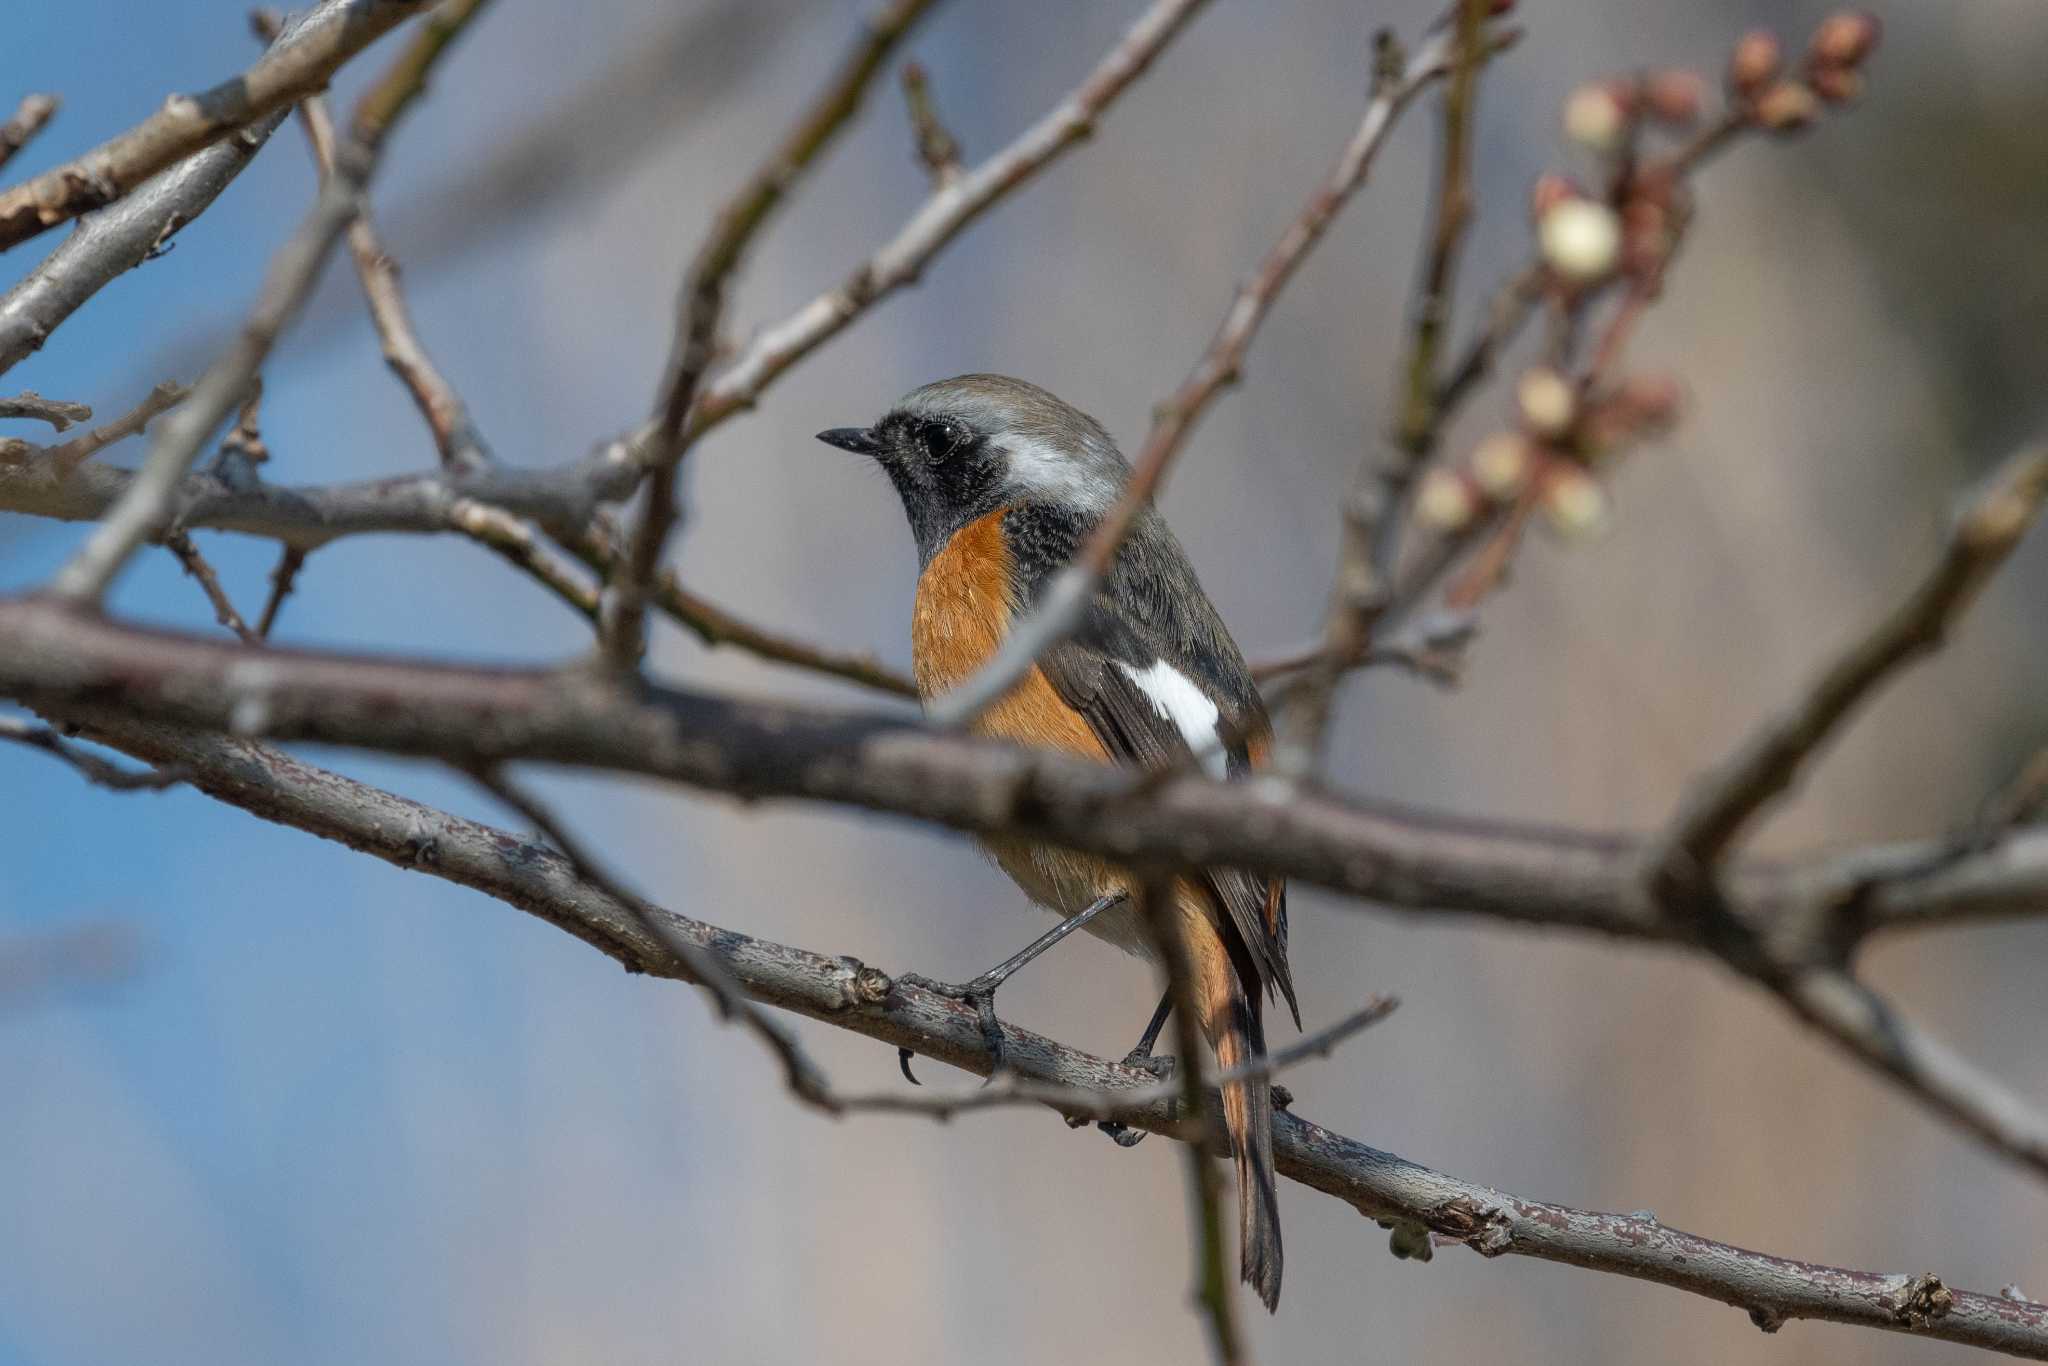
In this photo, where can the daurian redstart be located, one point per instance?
(1002, 483)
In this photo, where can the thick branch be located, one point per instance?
(334, 32)
(845, 993)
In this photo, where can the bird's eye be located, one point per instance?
(941, 438)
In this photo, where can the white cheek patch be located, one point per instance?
(1176, 698)
(1046, 473)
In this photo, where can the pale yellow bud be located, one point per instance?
(1548, 403)
(1502, 464)
(1574, 502)
(1445, 501)
(1581, 240)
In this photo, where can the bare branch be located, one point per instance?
(71, 454)
(1060, 607)
(940, 219)
(936, 148)
(1377, 506)
(700, 312)
(56, 412)
(180, 544)
(90, 766)
(289, 562)
(802, 1076)
(1952, 1086)
(447, 416)
(1984, 532)
(848, 995)
(28, 119)
(334, 32)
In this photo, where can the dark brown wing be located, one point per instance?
(1101, 673)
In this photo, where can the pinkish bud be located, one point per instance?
(1675, 96)
(1502, 464)
(1646, 235)
(1844, 38)
(1786, 107)
(1549, 191)
(1754, 62)
(1838, 85)
(1446, 501)
(1547, 401)
(1653, 400)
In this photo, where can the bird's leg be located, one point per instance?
(1141, 1057)
(981, 991)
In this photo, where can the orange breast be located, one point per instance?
(964, 604)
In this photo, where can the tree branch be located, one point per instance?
(849, 995)
(940, 219)
(1984, 532)
(28, 119)
(334, 32)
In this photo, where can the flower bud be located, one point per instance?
(1581, 240)
(1652, 400)
(1502, 465)
(1754, 62)
(1597, 117)
(1844, 38)
(1445, 501)
(1675, 96)
(1786, 107)
(1838, 85)
(1574, 502)
(1547, 401)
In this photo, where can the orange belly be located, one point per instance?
(965, 601)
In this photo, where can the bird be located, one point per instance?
(1002, 483)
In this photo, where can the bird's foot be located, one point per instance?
(980, 994)
(1145, 1060)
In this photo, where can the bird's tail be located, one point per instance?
(1231, 1019)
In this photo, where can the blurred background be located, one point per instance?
(292, 1104)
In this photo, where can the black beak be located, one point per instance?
(859, 440)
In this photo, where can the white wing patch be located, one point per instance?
(1176, 698)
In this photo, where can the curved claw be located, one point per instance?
(1123, 1135)
(903, 1057)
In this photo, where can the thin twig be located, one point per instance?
(1105, 1104)
(56, 412)
(1726, 800)
(1870, 1028)
(940, 219)
(90, 766)
(28, 119)
(1377, 506)
(1060, 607)
(145, 509)
(598, 547)
(700, 312)
(290, 560)
(180, 544)
(69, 455)
(336, 31)
(455, 436)
(1213, 1288)
(805, 1081)
(937, 149)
